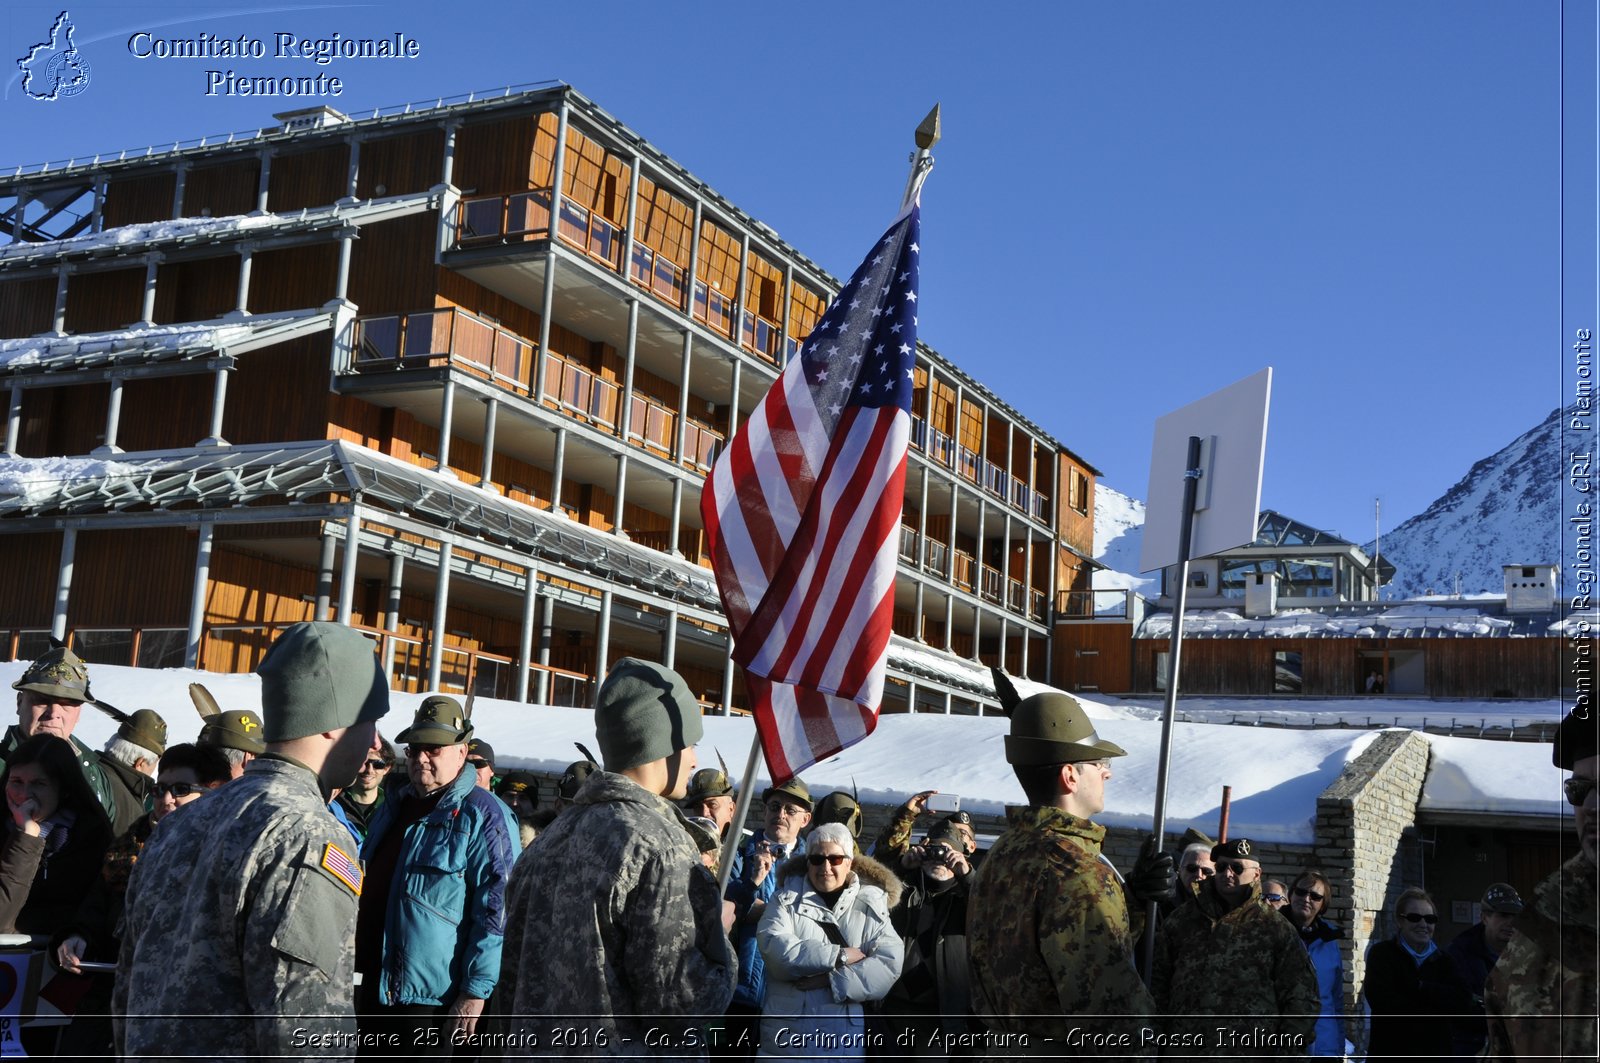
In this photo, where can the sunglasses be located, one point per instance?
(1273, 897)
(179, 789)
(376, 765)
(832, 859)
(1299, 891)
(478, 763)
(422, 751)
(1200, 872)
(1413, 917)
(1578, 790)
(1235, 866)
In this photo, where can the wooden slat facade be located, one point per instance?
(1453, 667)
(304, 179)
(27, 307)
(1096, 656)
(222, 191)
(104, 301)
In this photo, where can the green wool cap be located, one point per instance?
(320, 677)
(146, 728)
(644, 712)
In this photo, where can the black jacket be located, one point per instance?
(1414, 1006)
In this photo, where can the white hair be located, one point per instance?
(1195, 847)
(235, 756)
(129, 754)
(837, 833)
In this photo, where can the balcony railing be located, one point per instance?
(1104, 604)
(713, 309)
(651, 424)
(966, 566)
(758, 334)
(994, 479)
(526, 216)
(993, 584)
(908, 543)
(422, 337)
(660, 276)
(938, 557)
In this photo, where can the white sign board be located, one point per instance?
(1232, 427)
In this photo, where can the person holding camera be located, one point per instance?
(933, 994)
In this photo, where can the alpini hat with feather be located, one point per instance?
(1051, 727)
(58, 673)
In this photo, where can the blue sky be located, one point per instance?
(1134, 203)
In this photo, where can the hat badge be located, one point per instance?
(1244, 847)
(247, 724)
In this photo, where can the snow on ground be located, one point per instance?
(1354, 712)
(1276, 773)
(1301, 623)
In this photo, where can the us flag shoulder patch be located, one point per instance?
(338, 863)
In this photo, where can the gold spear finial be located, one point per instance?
(928, 131)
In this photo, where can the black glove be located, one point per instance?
(1154, 877)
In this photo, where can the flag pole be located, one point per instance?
(928, 134)
(741, 809)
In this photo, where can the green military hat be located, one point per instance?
(238, 729)
(794, 789)
(440, 721)
(839, 807)
(58, 673)
(574, 777)
(1053, 728)
(1235, 849)
(944, 832)
(707, 783)
(147, 729)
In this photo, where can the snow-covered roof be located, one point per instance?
(196, 232)
(1276, 775)
(1464, 618)
(51, 354)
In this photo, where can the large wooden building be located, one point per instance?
(454, 375)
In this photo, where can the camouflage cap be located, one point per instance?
(839, 807)
(1234, 849)
(145, 728)
(1053, 728)
(1502, 897)
(574, 777)
(440, 721)
(794, 789)
(708, 782)
(704, 832)
(238, 729)
(58, 673)
(320, 677)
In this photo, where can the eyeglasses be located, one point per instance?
(179, 789)
(376, 765)
(1273, 897)
(1300, 891)
(1578, 788)
(1413, 917)
(832, 859)
(1199, 870)
(1235, 866)
(787, 811)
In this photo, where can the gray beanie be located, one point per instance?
(319, 677)
(644, 712)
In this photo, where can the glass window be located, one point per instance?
(1286, 675)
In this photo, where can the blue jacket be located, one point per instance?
(446, 915)
(1322, 944)
(752, 988)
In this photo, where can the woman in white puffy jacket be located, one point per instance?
(829, 948)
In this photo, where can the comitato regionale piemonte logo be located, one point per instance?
(54, 69)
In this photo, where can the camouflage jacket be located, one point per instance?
(613, 931)
(1234, 982)
(1542, 995)
(1049, 944)
(239, 926)
(895, 838)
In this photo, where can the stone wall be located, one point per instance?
(1367, 848)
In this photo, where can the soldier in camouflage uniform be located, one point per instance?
(50, 698)
(1543, 997)
(240, 917)
(1230, 972)
(1048, 933)
(614, 942)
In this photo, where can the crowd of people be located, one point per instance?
(294, 884)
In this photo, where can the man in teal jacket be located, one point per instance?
(438, 854)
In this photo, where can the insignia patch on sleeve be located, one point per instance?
(338, 863)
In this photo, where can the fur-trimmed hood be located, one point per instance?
(864, 867)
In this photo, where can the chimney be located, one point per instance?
(1261, 595)
(1530, 588)
(310, 118)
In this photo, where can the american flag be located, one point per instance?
(802, 513)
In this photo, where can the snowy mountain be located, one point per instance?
(1506, 510)
(1118, 533)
